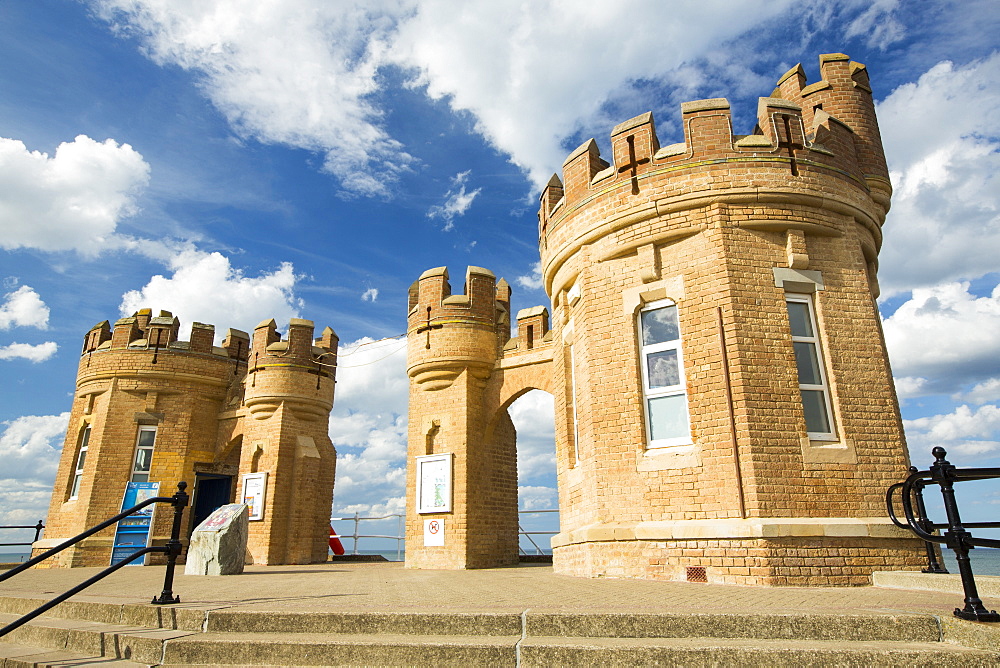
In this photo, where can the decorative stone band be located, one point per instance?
(735, 529)
(869, 219)
(147, 375)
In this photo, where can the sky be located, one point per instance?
(232, 162)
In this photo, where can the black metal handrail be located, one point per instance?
(945, 475)
(38, 532)
(172, 549)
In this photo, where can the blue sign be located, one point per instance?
(133, 532)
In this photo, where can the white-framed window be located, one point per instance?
(663, 387)
(143, 453)
(81, 458)
(813, 386)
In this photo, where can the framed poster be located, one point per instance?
(434, 483)
(254, 493)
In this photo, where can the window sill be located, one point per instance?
(669, 457)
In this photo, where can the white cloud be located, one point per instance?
(964, 433)
(457, 201)
(536, 497)
(532, 281)
(942, 140)
(982, 393)
(293, 72)
(943, 337)
(31, 352)
(878, 22)
(30, 447)
(24, 308)
(305, 73)
(551, 66)
(369, 295)
(368, 426)
(533, 418)
(205, 287)
(71, 201)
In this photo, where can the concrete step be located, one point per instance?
(169, 635)
(697, 652)
(22, 656)
(93, 639)
(335, 649)
(901, 627)
(407, 623)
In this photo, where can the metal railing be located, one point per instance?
(172, 549)
(529, 534)
(956, 537)
(38, 532)
(400, 536)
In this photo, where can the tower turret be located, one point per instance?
(454, 342)
(288, 394)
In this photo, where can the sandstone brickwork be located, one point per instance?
(241, 407)
(726, 227)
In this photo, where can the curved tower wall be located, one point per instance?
(727, 227)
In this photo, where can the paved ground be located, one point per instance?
(390, 587)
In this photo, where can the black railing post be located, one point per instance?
(180, 501)
(958, 539)
(932, 562)
(38, 530)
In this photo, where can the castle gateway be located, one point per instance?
(724, 408)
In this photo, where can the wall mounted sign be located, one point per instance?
(434, 532)
(434, 473)
(132, 533)
(254, 493)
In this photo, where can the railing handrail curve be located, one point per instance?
(957, 537)
(172, 549)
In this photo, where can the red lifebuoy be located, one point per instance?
(335, 544)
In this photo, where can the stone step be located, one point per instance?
(697, 652)
(89, 638)
(406, 623)
(22, 656)
(874, 627)
(332, 649)
(550, 639)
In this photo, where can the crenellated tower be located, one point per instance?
(454, 342)
(150, 407)
(724, 407)
(288, 395)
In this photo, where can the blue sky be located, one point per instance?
(234, 161)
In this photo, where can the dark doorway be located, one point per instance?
(210, 491)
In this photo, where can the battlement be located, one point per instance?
(811, 132)
(483, 300)
(143, 331)
(299, 347)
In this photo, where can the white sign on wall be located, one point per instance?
(434, 532)
(254, 493)
(434, 483)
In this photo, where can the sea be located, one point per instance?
(985, 560)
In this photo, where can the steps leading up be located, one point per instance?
(104, 634)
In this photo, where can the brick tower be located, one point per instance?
(149, 407)
(724, 406)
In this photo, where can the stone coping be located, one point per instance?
(735, 529)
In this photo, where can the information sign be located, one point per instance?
(254, 493)
(133, 532)
(434, 483)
